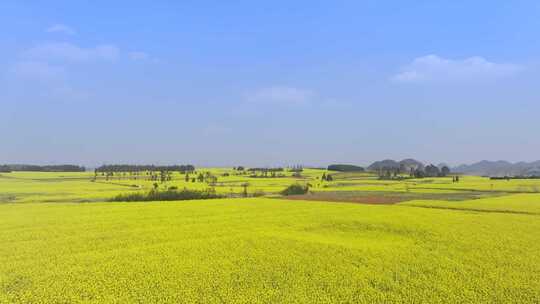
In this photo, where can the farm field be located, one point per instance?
(42, 187)
(355, 239)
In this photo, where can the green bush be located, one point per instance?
(295, 189)
(258, 193)
(169, 195)
(345, 168)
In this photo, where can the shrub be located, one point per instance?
(169, 195)
(345, 168)
(295, 189)
(258, 193)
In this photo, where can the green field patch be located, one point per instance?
(472, 209)
(515, 203)
(373, 197)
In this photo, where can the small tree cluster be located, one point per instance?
(295, 189)
(432, 171)
(327, 177)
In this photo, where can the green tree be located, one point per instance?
(445, 171)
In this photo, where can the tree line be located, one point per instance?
(345, 168)
(47, 168)
(420, 172)
(138, 168)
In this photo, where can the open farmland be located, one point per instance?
(269, 152)
(437, 242)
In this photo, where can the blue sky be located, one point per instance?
(220, 83)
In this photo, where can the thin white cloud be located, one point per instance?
(433, 68)
(62, 29)
(36, 70)
(44, 71)
(280, 95)
(43, 81)
(138, 56)
(70, 52)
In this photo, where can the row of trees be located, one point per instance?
(266, 172)
(345, 168)
(48, 168)
(162, 176)
(421, 172)
(432, 171)
(157, 176)
(206, 177)
(138, 168)
(261, 172)
(144, 172)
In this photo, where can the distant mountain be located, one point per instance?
(405, 165)
(409, 163)
(443, 165)
(500, 168)
(384, 164)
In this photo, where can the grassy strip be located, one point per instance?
(479, 190)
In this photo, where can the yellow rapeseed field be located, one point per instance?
(61, 242)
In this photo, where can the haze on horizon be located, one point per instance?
(274, 83)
